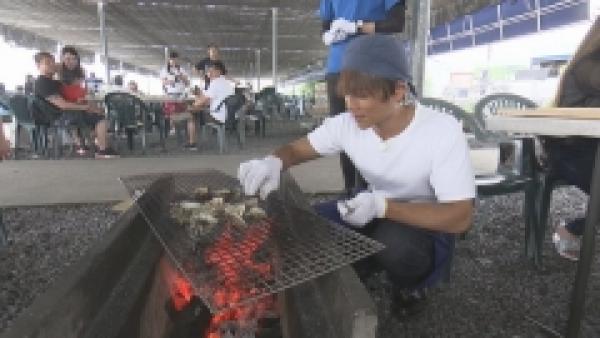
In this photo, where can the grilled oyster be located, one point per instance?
(201, 224)
(235, 213)
(202, 193)
(223, 193)
(254, 214)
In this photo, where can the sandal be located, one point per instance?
(566, 247)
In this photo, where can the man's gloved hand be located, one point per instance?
(260, 175)
(346, 26)
(363, 208)
(333, 36)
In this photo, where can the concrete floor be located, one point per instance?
(42, 182)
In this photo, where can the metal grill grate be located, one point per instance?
(294, 246)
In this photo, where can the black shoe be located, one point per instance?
(106, 153)
(190, 146)
(406, 304)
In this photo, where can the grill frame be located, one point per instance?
(301, 244)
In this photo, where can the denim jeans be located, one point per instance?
(413, 258)
(572, 160)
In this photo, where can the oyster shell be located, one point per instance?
(255, 214)
(202, 193)
(235, 213)
(201, 224)
(223, 193)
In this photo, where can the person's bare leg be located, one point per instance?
(101, 134)
(191, 126)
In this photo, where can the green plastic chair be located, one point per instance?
(20, 107)
(489, 105)
(49, 118)
(521, 180)
(123, 113)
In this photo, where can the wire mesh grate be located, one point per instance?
(233, 264)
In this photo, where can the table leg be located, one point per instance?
(576, 307)
(527, 168)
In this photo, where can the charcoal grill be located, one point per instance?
(297, 244)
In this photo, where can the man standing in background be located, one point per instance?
(342, 21)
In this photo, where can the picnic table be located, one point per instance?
(564, 122)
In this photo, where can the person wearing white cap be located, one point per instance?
(415, 160)
(342, 21)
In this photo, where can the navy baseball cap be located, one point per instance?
(378, 55)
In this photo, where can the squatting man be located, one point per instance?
(415, 161)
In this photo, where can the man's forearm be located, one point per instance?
(296, 152)
(452, 217)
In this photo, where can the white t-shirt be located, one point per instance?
(428, 161)
(178, 87)
(217, 91)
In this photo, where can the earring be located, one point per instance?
(409, 99)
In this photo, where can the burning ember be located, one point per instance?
(232, 267)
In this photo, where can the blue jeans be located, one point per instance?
(413, 258)
(572, 160)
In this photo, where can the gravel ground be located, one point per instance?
(493, 289)
(492, 293)
(43, 241)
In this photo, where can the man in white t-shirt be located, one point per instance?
(218, 90)
(415, 160)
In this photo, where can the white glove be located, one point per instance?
(348, 27)
(333, 36)
(260, 175)
(363, 208)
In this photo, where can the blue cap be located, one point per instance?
(377, 55)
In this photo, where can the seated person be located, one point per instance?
(218, 90)
(132, 87)
(414, 159)
(572, 159)
(71, 76)
(49, 89)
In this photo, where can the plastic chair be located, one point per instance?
(123, 112)
(489, 105)
(509, 182)
(50, 119)
(20, 106)
(234, 122)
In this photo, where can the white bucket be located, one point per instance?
(485, 160)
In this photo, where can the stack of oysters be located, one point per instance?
(209, 208)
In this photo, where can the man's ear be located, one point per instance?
(399, 91)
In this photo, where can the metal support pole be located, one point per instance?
(258, 70)
(420, 33)
(166, 55)
(58, 51)
(274, 47)
(104, 39)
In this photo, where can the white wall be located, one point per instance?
(512, 52)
